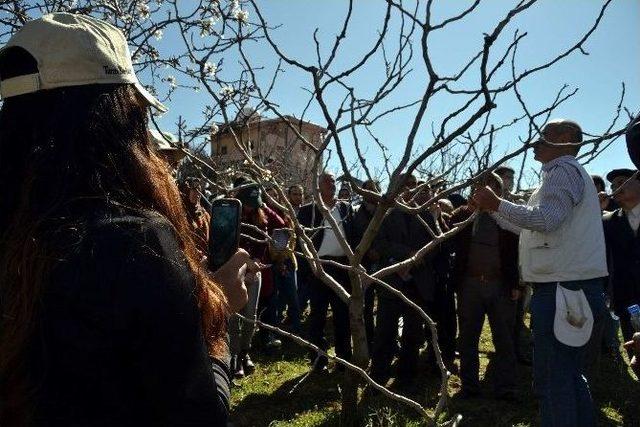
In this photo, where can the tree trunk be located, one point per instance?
(350, 414)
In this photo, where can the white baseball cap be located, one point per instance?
(573, 322)
(73, 50)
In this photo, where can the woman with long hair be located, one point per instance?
(107, 316)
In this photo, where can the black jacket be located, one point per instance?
(119, 338)
(623, 259)
(400, 235)
(508, 247)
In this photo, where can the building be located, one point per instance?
(272, 144)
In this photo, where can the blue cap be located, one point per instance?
(634, 310)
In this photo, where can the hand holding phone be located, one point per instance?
(224, 234)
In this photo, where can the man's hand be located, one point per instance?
(230, 277)
(515, 294)
(634, 346)
(485, 199)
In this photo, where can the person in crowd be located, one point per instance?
(260, 284)
(284, 272)
(295, 193)
(166, 145)
(328, 247)
(562, 254)
(446, 207)
(345, 193)
(457, 200)
(371, 259)
(401, 235)
(486, 274)
(632, 137)
(198, 217)
(106, 316)
(623, 245)
(522, 344)
(606, 203)
(443, 308)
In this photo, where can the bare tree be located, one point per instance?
(462, 147)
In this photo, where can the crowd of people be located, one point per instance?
(110, 315)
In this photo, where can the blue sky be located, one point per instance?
(552, 26)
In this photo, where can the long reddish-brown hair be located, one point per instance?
(58, 149)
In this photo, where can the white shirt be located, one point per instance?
(633, 216)
(330, 245)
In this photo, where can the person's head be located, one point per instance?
(191, 189)
(250, 195)
(599, 183)
(273, 193)
(626, 190)
(373, 186)
(409, 183)
(507, 175)
(560, 137)
(166, 146)
(69, 151)
(344, 193)
(296, 195)
(327, 185)
(493, 181)
(446, 206)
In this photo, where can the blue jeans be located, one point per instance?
(287, 289)
(558, 369)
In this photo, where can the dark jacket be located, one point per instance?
(361, 219)
(508, 247)
(623, 259)
(402, 234)
(119, 338)
(310, 216)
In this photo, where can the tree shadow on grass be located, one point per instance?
(290, 400)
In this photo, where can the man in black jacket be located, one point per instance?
(486, 273)
(623, 245)
(328, 246)
(401, 235)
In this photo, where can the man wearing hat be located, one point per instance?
(562, 255)
(623, 244)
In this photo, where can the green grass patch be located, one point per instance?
(277, 395)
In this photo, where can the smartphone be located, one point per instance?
(281, 238)
(224, 231)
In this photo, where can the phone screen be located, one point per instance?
(280, 238)
(223, 241)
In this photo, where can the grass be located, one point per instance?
(275, 396)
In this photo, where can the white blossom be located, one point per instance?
(143, 11)
(158, 34)
(172, 81)
(241, 15)
(214, 129)
(227, 91)
(210, 69)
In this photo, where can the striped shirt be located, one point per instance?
(561, 189)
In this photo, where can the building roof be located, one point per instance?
(224, 128)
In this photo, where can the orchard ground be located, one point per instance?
(275, 396)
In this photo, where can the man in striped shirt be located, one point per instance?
(561, 250)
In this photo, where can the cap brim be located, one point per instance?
(151, 100)
(627, 173)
